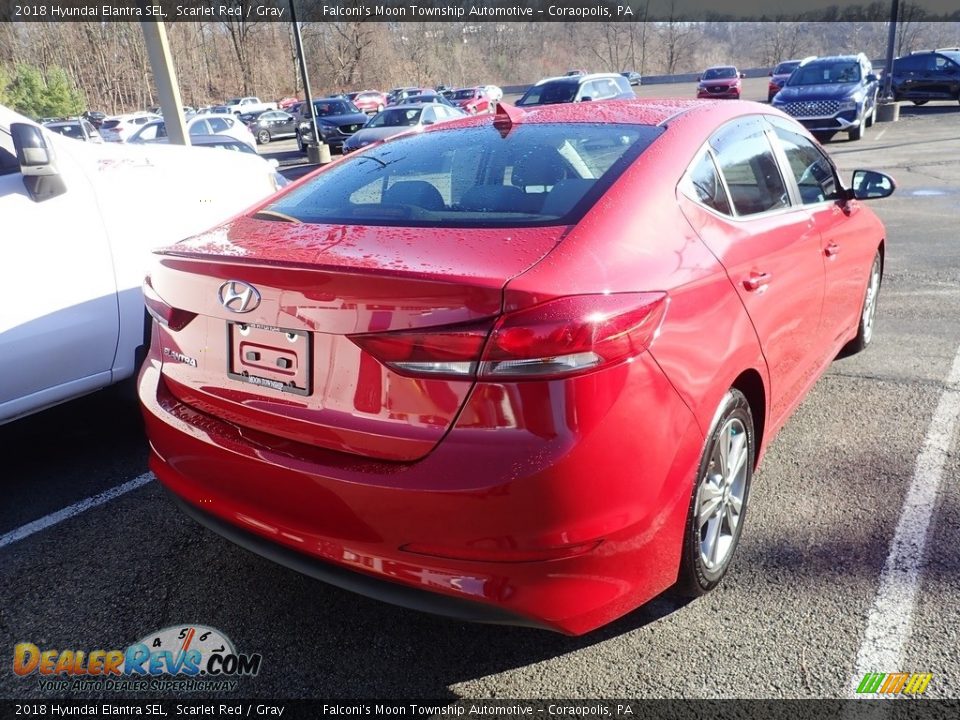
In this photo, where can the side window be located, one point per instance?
(429, 116)
(810, 167)
(909, 64)
(200, 128)
(149, 132)
(218, 125)
(8, 154)
(589, 90)
(746, 163)
(702, 183)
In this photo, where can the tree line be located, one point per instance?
(107, 64)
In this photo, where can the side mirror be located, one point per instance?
(37, 162)
(586, 98)
(742, 75)
(770, 73)
(872, 78)
(428, 122)
(274, 163)
(871, 185)
(699, 78)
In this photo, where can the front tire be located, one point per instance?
(868, 311)
(263, 137)
(718, 503)
(858, 132)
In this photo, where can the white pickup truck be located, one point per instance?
(243, 105)
(77, 223)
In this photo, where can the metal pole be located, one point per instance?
(165, 78)
(891, 44)
(306, 88)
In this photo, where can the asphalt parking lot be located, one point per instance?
(870, 456)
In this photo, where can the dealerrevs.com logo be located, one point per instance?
(182, 658)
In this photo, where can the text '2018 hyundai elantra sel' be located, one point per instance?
(517, 368)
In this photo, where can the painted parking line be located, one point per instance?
(890, 618)
(25, 531)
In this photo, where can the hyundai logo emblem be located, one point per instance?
(239, 297)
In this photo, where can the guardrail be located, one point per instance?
(878, 66)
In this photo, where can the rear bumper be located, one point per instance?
(565, 519)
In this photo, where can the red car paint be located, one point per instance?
(370, 101)
(477, 102)
(560, 500)
(726, 88)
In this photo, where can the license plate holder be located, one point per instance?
(271, 357)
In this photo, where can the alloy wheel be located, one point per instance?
(720, 496)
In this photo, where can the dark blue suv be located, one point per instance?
(832, 94)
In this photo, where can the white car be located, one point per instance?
(79, 222)
(199, 125)
(119, 128)
(78, 129)
(240, 106)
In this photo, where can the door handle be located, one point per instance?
(831, 249)
(756, 281)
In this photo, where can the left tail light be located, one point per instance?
(162, 312)
(560, 338)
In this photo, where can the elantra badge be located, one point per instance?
(239, 297)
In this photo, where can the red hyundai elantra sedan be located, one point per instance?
(518, 368)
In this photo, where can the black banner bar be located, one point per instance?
(468, 11)
(892, 709)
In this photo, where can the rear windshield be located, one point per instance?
(787, 67)
(539, 174)
(463, 94)
(550, 93)
(110, 124)
(396, 117)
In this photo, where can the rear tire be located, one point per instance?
(718, 503)
(868, 311)
(263, 137)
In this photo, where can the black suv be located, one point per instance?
(927, 75)
(832, 94)
(337, 120)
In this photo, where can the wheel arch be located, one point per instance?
(750, 383)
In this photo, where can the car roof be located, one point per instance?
(578, 79)
(412, 106)
(721, 67)
(638, 111)
(58, 123)
(835, 58)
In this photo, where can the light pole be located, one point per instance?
(318, 152)
(887, 93)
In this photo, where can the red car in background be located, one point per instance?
(722, 81)
(517, 368)
(472, 100)
(288, 103)
(369, 101)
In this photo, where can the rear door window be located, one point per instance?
(748, 167)
(810, 167)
